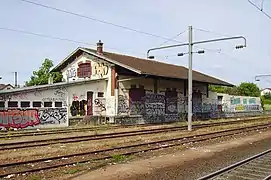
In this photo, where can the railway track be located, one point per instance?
(74, 139)
(20, 133)
(57, 131)
(255, 167)
(35, 165)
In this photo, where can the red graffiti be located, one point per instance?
(19, 118)
(75, 98)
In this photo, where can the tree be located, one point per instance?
(226, 90)
(244, 89)
(42, 75)
(218, 89)
(249, 89)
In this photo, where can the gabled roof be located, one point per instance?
(144, 66)
(3, 86)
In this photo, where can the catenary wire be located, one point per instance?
(260, 9)
(97, 20)
(173, 38)
(57, 38)
(209, 31)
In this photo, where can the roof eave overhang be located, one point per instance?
(185, 79)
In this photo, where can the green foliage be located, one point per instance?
(42, 75)
(266, 99)
(120, 158)
(249, 89)
(218, 89)
(267, 96)
(244, 89)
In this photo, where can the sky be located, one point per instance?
(209, 19)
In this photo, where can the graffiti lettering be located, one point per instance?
(78, 98)
(99, 105)
(52, 99)
(247, 107)
(38, 93)
(71, 72)
(60, 92)
(53, 115)
(19, 118)
(78, 108)
(20, 96)
(123, 104)
(100, 69)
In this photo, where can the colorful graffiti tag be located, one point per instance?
(18, 118)
(22, 118)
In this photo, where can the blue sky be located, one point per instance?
(25, 53)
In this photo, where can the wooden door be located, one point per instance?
(89, 103)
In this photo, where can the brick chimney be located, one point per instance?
(100, 47)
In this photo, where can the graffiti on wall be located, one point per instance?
(53, 115)
(22, 118)
(123, 106)
(100, 69)
(242, 104)
(253, 107)
(155, 108)
(78, 108)
(71, 72)
(99, 105)
(78, 98)
(18, 118)
(60, 92)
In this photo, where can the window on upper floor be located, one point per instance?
(84, 70)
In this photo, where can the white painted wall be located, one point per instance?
(65, 94)
(232, 103)
(70, 72)
(98, 66)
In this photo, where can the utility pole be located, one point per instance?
(190, 86)
(16, 79)
(190, 52)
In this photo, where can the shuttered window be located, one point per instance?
(84, 70)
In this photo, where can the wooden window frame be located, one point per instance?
(84, 70)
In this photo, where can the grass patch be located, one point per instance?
(72, 171)
(118, 158)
